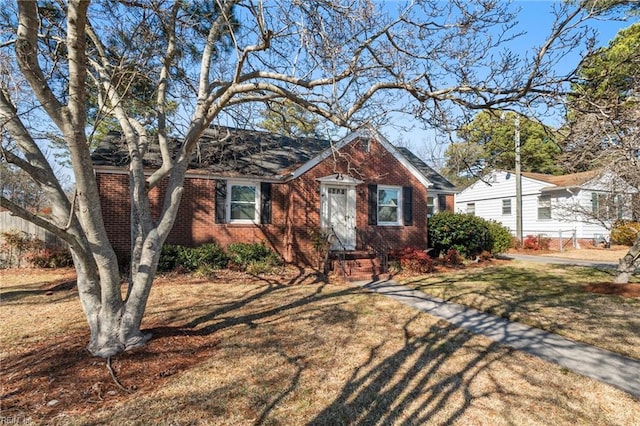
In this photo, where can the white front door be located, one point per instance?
(338, 212)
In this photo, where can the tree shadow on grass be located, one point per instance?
(411, 385)
(45, 289)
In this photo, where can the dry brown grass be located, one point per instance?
(305, 353)
(599, 254)
(552, 297)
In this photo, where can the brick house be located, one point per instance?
(361, 193)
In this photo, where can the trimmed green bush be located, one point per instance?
(209, 255)
(169, 258)
(468, 234)
(253, 257)
(502, 238)
(212, 255)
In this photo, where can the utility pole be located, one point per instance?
(518, 182)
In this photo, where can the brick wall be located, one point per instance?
(295, 207)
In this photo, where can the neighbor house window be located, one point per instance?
(595, 204)
(243, 202)
(471, 208)
(544, 208)
(389, 205)
(506, 207)
(619, 206)
(431, 207)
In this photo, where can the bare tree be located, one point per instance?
(348, 62)
(603, 128)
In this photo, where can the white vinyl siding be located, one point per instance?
(488, 202)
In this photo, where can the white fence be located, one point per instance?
(564, 237)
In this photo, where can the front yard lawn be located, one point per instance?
(551, 297)
(279, 349)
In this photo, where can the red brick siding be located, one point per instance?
(295, 206)
(449, 203)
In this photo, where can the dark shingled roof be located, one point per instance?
(224, 151)
(439, 182)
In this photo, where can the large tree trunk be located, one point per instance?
(629, 263)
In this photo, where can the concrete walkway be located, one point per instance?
(599, 364)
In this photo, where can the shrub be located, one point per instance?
(44, 257)
(625, 232)
(253, 257)
(536, 242)
(209, 255)
(413, 259)
(501, 236)
(466, 233)
(530, 242)
(452, 257)
(22, 247)
(212, 255)
(169, 258)
(16, 244)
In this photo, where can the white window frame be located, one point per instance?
(506, 207)
(257, 211)
(471, 208)
(544, 202)
(398, 189)
(431, 205)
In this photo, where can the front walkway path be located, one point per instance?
(599, 364)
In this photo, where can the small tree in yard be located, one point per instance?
(68, 67)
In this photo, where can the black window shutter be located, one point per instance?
(373, 204)
(442, 203)
(265, 210)
(407, 205)
(221, 200)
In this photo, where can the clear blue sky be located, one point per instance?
(535, 19)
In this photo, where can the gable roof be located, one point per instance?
(438, 181)
(425, 174)
(232, 152)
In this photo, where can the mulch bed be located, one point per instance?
(58, 376)
(624, 290)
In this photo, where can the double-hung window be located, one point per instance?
(243, 203)
(471, 208)
(389, 205)
(506, 207)
(544, 207)
(431, 206)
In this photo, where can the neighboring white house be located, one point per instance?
(582, 206)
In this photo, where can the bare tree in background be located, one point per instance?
(603, 122)
(347, 62)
